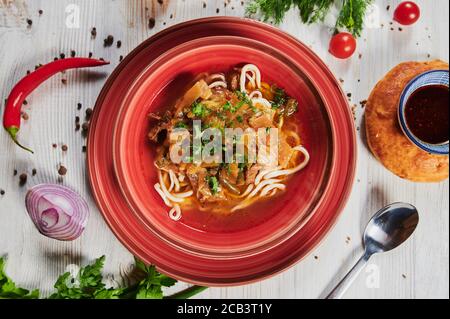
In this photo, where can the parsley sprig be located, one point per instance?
(351, 15)
(88, 284)
(199, 110)
(279, 98)
(9, 290)
(213, 184)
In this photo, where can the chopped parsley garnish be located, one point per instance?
(228, 168)
(221, 116)
(213, 184)
(244, 97)
(199, 110)
(239, 118)
(238, 106)
(241, 95)
(227, 106)
(215, 124)
(229, 123)
(181, 125)
(279, 98)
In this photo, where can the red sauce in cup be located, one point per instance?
(427, 114)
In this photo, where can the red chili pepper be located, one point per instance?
(12, 114)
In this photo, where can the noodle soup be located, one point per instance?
(218, 192)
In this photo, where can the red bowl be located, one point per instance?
(135, 235)
(239, 234)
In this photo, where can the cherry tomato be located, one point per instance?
(407, 13)
(342, 45)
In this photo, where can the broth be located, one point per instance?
(215, 193)
(427, 114)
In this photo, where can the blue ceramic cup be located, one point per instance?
(430, 78)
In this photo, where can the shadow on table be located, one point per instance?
(63, 259)
(337, 277)
(375, 200)
(363, 134)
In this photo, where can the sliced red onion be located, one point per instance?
(57, 211)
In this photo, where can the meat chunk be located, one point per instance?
(163, 124)
(166, 165)
(155, 116)
(230, 173)
(205, 195)
(194, 173)
(233, 80)
(290, 108)
(261, 121)
(285, 152)
(198, 178)
(251, 174)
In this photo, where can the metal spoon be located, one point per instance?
(388, 228)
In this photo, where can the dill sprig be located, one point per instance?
(351, 16)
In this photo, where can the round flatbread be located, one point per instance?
(384, 135)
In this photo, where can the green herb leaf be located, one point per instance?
(108, 293)
(151, 286)
(279, 98)
(91, 275)
(243, 96)
(227, 106)
(221, 116)
(87, 284)
(9, 290)
(271, 9)
(243, 99)
(313, 11)
(237, 106)
(199, 110)
(213, 184)
(351, 16)
(181, 125)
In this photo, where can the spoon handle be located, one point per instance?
(346, 282)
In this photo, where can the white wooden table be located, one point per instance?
(419, 269)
